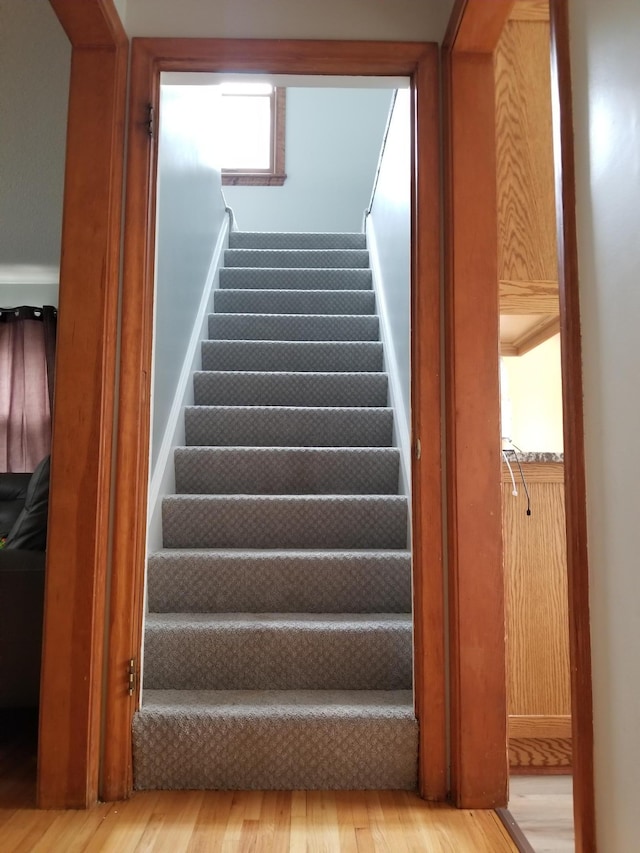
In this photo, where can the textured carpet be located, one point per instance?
(277, 740)
(278, 643)
(287, 470)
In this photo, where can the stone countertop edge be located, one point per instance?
(535, 456)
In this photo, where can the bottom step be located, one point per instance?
(275, 740)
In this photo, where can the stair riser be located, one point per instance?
(295, 240)
(195, 521)
(282, 754)
(271, 471)
(292, 327)
(283, 427)
(297, 258)
(289, 389)
(199, 583)
(217, 656)
(292, 356)
(294, 302)
(295, 279)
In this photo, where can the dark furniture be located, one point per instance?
(23, 525)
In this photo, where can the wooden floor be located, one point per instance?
(256, 821)
(542, 806)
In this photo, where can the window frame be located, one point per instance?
(275, 175)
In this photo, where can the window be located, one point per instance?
(252, 146)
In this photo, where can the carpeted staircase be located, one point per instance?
(278, 649)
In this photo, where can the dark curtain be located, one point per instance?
(27, 356)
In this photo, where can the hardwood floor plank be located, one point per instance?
(234, 821)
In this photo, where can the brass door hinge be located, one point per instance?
(132, 676)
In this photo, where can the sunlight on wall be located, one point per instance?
(535, 391)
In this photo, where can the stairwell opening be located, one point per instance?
(278, 636)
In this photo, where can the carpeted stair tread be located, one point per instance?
(305, 356)
(288, 426)
(293, 327)
(284, 521)
(278, 740)
(278, 651)
(296, 240)
(279, 278)
(265, 388)
(287, 470)
(269, 581)
(298, 258)
(278, 642)
(263, 301)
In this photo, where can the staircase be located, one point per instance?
(278, 650)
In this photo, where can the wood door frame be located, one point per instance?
(150, 57)
(478, 691)
(473, 32)
(77, 544)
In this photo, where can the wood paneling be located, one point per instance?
(528, 297)
(540, 744)
(540, 726)
(536, 472)
(536, 596)
(540, 756)
(150, 57)
(575, 496)
(476, 602)
(530, 10)
(71, 687)
(526, 202)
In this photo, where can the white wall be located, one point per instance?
(534, 387)
(387, 20)
(191, 213)
(389, 240)
(35, 58)
(606, 93)
(333, 139)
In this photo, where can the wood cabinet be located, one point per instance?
(539, 694)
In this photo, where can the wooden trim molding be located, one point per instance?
(540, 745)
(543, 331)
(478, 716)
(426, 372)
(149, 58)
(75, 597)
(528, 297)
(575, 482)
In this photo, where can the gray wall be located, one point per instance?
(387, 20)
(390, 222)
(605, 53)
(191, 212)
(35, 58)
(333, 139)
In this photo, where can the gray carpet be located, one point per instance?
(278, 643)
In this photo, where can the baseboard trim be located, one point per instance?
(515, 833)
(540, 745)
(401, 415)
(162, 480)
